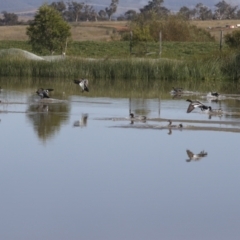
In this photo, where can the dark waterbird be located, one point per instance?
(214, 94)
(44, 93)
(83, 83)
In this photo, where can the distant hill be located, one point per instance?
(124, 5)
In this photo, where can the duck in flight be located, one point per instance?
(83, 83)
(44, 93)
(195, 157)
(195, 104)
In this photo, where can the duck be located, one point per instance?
(195, 157)
(44, 93)
(194, 104)
(212, 111)
(83, 83)
(205, 108)
(213, 95)
(137, 118)
(174, 126)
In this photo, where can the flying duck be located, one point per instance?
(194, 104)
(195, 157)
(44, 93)
(83, 83)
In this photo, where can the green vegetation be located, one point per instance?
(233, 40)
(48, 30)
(173, 28)
(120, 49)
(149, 71)
(106, 62)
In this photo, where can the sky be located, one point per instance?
(123, 6)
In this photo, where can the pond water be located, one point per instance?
(78, 169)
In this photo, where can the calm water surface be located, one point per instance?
(102, 181)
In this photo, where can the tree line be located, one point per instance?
(73, 11)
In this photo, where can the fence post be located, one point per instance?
(160, 44)
(221, 37)
(130, 45)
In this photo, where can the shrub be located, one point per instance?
(233, 39)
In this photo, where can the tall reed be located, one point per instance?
(145, 71)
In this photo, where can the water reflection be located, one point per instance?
(82, 122)
(195, 157)
(47, 118)
(103, 180)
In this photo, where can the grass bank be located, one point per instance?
(141, 71)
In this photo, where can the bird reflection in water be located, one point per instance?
(82, 122)
(195, 157)
(42, 108)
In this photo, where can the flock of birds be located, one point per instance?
(44, 93)
(193, 104)
(198, 104)
(83, 83)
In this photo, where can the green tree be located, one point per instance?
(130, 14)
(9, 18)
(48, 30)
